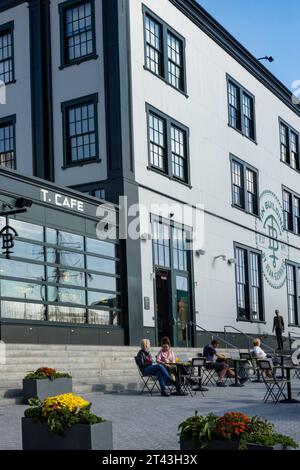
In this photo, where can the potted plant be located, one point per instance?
(232, 431)
(45, 382)
(64, 422)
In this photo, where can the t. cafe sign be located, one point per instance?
(271, 239)
(60, 200)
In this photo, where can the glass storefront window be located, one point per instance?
(61, 275)
(22, 310)
(100, 247)
(65, 258)
(101, 264)
(102, 299)
(22, 290)
(26, 230)
(65, 314)
(29, 250)
(103, 317)
(96, 281)
(9, 267)
(62, 294)
(182, 302)
(67, 240)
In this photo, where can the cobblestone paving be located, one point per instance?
(150, 423)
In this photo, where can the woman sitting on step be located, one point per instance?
(146, 365)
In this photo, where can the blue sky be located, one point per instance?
(264, 27)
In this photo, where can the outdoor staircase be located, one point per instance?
(93, 368)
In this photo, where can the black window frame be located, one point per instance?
(63, 7)
(248, 251)
(292, 196)
(290, 131)
(90, 189)
(10, 121)
(165, 30)
(242, 91)
(65, 106)
(245, 166)
(8, 28)
(296, 268)
(169, 122)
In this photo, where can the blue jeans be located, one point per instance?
(162, 374)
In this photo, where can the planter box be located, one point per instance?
(79, 437)
(215, 444)
(43, 388)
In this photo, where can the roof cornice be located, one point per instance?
(7, 4)
(192, 10)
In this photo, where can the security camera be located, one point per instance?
(22, 202)
(200, 252)
(231, 261)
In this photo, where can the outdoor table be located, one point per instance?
(179, 366)
(281, 357)
(289, 398)
(235, 366)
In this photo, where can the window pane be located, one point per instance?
(22, 310)
(81, 135)
(26, 230)
(62, 294)
(248, 117)
(9, 267)
(7, 144)
(101, 265)
(242, 284)
(238, 184)
(66, 314)
(161, 244)
(78, 38)
(22, 290)
(103, 317)
(291, 288)
(175, 61)
(102, 299)
(60, 275)
(178, 147)
(153, 35)
(6, 57)
(284, 143)
(96, 281)
(65, 258)
(157, 142)
(251, 191)
(234, 106)
(100, 247)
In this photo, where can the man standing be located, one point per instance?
(278, 326)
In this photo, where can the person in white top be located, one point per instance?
(257, 351)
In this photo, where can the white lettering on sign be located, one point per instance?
(61, 201)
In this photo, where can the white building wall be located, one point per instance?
(205, 113)
(18, 94)
(74, 82)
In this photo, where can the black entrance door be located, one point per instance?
(163, 304)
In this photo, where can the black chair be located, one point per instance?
(250, 362)
(210, 375)
(274, 386)
(149, 382)
(198, 366)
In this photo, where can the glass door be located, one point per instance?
(182, 311)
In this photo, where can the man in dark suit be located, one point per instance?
(278, 326)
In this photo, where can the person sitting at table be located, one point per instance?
(147, 367)
(218, 362)
(259, 353)
(165, 356)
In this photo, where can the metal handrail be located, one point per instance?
(266, 346)
(293, 335)
(213, 335)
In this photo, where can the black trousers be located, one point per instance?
(278, 332)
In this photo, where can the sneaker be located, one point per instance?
(165, 394)
(221, 384)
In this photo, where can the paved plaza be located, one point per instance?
(150, 423)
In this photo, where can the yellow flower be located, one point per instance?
(67, 400)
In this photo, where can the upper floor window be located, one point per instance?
(80, 130)
(77, 31)
(7, 142)
(164, 51)
(249, 284)
(289, 145)
(168, 146)
(293, 292)
(291, 211)
(241, 109)
(6, 53)
(244, 186)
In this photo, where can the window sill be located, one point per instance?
(262, 322)
(290, 166)
(241, 133)
(12, 82)
(150, 168)
(182, 92)
(81, 163)
(79, 61)
(293, 325)
(256, 216)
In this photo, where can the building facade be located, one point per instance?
(155, 101)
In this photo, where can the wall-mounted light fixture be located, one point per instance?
(231, 261)
(200, 252)
(223, 257)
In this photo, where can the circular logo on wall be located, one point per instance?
(271, 239)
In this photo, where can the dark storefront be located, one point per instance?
(61, 283)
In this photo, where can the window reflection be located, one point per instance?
(66, 258)
(9, 267)
(28, 250)
(96, 281)
(103, 317)
(65, 239)
(100, 247)
(61, 294)
(66, 314)
(101, 298)
(22, 310)
(26, 230)
(23, 290)
(60, 275)
(101, 265)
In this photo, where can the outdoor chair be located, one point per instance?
(296, 363)
(210, 376)
(149, 382)
(274, 386)
(249, 366)
(198, 366)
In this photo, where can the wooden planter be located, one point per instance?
(44, 388)
(79, 437)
